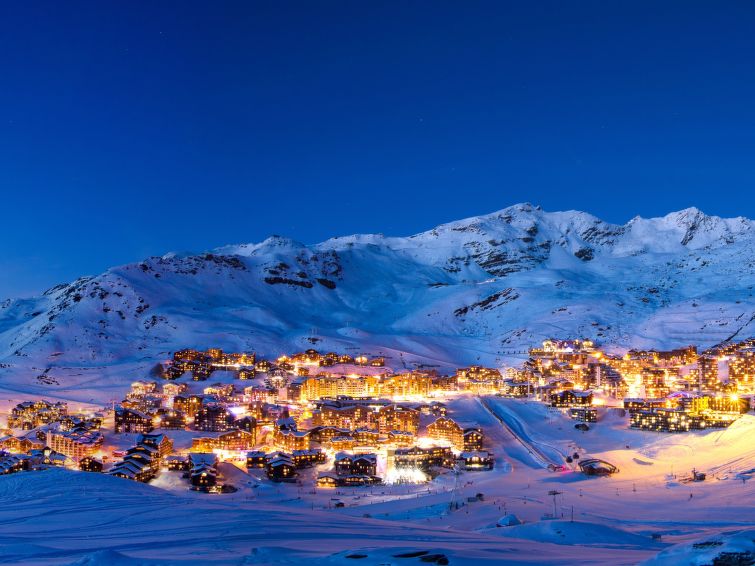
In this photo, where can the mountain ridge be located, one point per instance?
(477, 290)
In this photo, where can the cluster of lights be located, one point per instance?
(396, 476)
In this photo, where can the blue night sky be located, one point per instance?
(130, 129)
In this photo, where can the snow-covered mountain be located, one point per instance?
(475, 290)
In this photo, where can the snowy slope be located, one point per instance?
(101, 520)
(477, 290)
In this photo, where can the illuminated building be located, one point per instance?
(189, 405)
(308, 458)
(290, 440)
(281, 469)
(584, 414)
(219, 390)
(446, 430)
(213, 417)
(90, 464)
(477, 460)
(343, 443)
(160, 441)
(75, 445)
(570, 398)
(141, 388)
(707, 368)
(742, 369)
(666, 420)
(203, 470)
(132, 420)
(31, 414)
(359, 464)
(396, 417)
(234, 440)
(20, 445)
(256, 459)
(170, 419)
(405, 385)
(473, 439)
(366, 437)
(171, 389)
(422, 458)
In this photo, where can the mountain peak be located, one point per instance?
(466, 292)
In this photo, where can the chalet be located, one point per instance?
(132, 420)
(20, 445)
(445, 383)
(248, 424)
(262, 366)
(401, 438)
(234, 440)
(286, 423)
(512, 388)
(476, 460)
(328, 480)
(424, 458)
(435, 408)
(11, 463)
(570, 398)
(160, 441)
(356, 464)
(215, 354)
(79, 424)
(141, 388)
(47, 457)
(149, 455)
(213, 417)
(31, 414)
(256, 459)
(172, 371)
(639, 404)
(188, 405)
(307, 458)
(171, 389)
(366, 437)
(396, 417)
(448, 431)
(132, 469)
(203, 470)
(247, 373)
(170, 419)
(281, 469)
(200, 371)
(473, 439)
(358, 480)
(290, 440)
(595, 467)
(90, 464)
(220, 391)
(584, 414)
(325, 434)
(147, 404)
(341, 443)
(177, 463)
